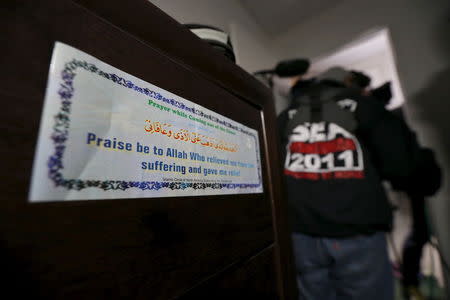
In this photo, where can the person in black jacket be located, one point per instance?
(424, 181)
(338, 146)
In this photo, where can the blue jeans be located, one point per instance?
(343, 268)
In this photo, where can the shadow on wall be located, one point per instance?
(433, 104)
(432, 107)
(433, 101)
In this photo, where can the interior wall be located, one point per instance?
(251, 45)
(421, 40)
(419, 31)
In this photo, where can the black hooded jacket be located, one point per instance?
(337, 148)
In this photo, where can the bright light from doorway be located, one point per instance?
(372, 54)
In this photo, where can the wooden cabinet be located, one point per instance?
(209, 247)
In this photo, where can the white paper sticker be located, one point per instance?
(106, 134)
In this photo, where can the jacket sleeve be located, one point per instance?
(395, 151)
(427, 175)
(388, 138)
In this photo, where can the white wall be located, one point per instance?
(251, 46)
(420, 33)
(373, 55)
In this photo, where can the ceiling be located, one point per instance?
(277, 16)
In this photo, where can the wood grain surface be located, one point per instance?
(155, 248)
